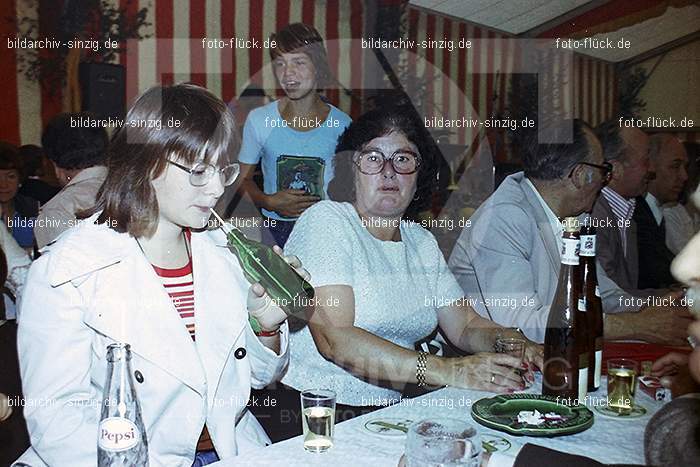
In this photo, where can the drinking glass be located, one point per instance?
(622, 384)
(318, 418)
(442, 442)
(516, 348)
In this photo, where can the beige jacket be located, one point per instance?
(58, 214)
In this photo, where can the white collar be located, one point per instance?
(655, 207)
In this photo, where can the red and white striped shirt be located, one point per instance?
(180, 287)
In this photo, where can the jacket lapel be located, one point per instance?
(543, 225)
(139, 311)
(143, 315)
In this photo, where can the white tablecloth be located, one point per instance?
(608, 440)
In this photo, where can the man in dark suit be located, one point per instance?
(668, 164)
(629, 310)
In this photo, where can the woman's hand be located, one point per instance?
(5, 408)
(269, 315)
(495, 372)
(533, 359)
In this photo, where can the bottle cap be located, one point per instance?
(570, 224)
(118, 351)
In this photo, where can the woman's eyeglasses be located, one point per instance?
(372, 162)
(606, 168)
(202, 173)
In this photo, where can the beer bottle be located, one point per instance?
(565, 360)
(595, 307)
(121, 436)
(261, 264)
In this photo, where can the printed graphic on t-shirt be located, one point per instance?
(301, 173)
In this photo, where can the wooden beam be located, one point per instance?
(462, 20)
(692, 37)
(561, 19)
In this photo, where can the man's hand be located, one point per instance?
(673, 372)
(669, 364)
(290, 203)
(662, 325)
(673, 297)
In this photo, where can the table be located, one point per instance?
(608, 440)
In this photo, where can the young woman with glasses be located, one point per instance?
(142, 269)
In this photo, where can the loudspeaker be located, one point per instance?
(103, 89)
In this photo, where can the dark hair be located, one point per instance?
(302, 38)
(138, 154)
(551, 161)
(32, 157)
(371, 125)
(657, 141)
(10, 160)
(71, 146)
(692, 149)
(610, 138)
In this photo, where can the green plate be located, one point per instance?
(501, 413)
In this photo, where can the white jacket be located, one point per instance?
(18, 261)
(94, 287)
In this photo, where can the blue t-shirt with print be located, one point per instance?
(268, 138)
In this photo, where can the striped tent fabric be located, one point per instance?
(473, 82)
(470, 82)
(174, 53)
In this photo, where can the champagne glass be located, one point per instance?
(442, 442)
(318, 419)
(622, 384)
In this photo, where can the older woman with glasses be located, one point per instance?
(142, 270)
(382, 283)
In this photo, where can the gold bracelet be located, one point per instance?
(421, 366)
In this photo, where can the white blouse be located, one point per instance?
(398, 287)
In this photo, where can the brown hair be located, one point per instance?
(302, 38)
(138, 154)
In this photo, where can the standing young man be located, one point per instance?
(294, 137)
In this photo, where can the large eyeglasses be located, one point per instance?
(372, 162)
(202, 173)
(605, 167)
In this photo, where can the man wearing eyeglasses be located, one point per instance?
(616, 246)
(512, 249)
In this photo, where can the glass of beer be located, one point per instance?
(318, 419)
(516, 348)
(622, 384)
(441, 442)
